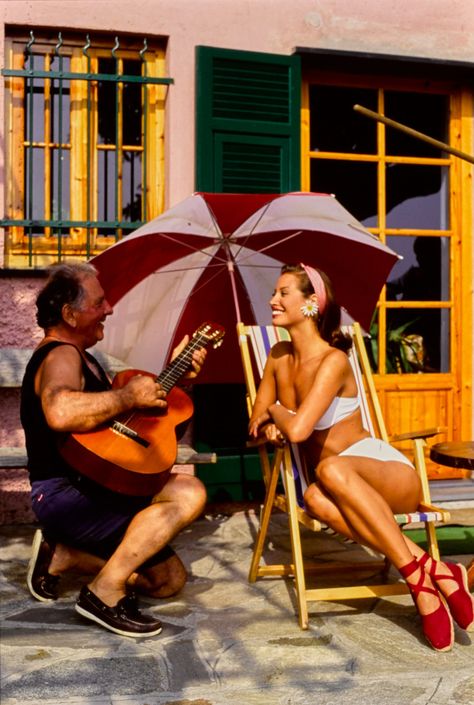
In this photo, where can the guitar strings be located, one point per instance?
(172, 373)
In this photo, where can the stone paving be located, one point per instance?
(224, 641)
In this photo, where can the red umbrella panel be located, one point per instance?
(216, 257)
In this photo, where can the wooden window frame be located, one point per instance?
(20, 253)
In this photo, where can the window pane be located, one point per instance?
(423, 274)
(34, 101)
(61, 196)
(34, 187)
(132, 186)
(353, 183)
(60, 127)
(335, 126)
(417, 340)
(417, 196)
(132, 109)
(426, 113)
(106, 186)
(107, 104)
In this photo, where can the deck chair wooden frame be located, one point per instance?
(255, 343)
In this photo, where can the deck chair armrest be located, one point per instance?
(426, 507)
(412, 435)
(261, 442)
(256, 443)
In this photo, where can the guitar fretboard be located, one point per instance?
(181, 364)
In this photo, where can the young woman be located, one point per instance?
(308, 395)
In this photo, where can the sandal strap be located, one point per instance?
(416, 588)
(432, 570)
(406, 570)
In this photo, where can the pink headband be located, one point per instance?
(318, 286)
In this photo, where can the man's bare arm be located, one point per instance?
(67, 407)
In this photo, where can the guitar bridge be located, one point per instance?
(123, 430)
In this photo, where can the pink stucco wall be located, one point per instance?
(18, 330)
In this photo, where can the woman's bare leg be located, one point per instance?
(366, 493)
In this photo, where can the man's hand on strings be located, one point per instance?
(198, 359)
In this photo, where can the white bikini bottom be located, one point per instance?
(377, 449)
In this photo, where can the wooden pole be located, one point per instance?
(414, 133)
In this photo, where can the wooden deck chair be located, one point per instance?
(255, 343)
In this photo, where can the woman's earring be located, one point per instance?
(310, 308)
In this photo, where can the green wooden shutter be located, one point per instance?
(247, 121)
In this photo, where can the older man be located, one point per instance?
(121, 540)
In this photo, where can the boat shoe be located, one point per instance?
(42, 585)
(125, 618)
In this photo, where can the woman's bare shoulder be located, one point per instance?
(336, 358)
(281, 349)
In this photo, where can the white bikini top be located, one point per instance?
(338, 409)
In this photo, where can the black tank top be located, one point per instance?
(44, 459)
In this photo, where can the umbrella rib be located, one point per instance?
(244, 244)
(192, 247)
(214, 219)
(198, 288)
(174, 270)
(268, 247)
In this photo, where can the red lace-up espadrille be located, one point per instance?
(438, 625)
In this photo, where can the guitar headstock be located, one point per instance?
(210, 334)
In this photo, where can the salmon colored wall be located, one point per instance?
(18, 329)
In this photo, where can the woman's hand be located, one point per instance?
(255, 425)
(263, 426)
(273, 434)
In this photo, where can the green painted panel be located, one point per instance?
(247, 121)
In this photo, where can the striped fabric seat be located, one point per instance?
(285, 464)
(419, 517)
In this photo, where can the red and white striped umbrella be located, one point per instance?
(216, 257)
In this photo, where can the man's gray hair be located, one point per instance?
(64, 286)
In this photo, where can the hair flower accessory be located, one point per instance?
(310, 308)
(318, 286)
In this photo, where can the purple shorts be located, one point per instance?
(86, 516)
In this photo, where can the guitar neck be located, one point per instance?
(181, 364)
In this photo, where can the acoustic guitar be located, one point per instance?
(130, 454)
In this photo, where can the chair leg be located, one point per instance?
(432, 539)
(470, 575)
(265, 519)
(295, 536)
(420, 464)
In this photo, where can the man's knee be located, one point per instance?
(192, 495)
(188, 492)
(165, 579)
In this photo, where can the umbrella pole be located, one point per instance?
(414, 133)
(230, 269)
